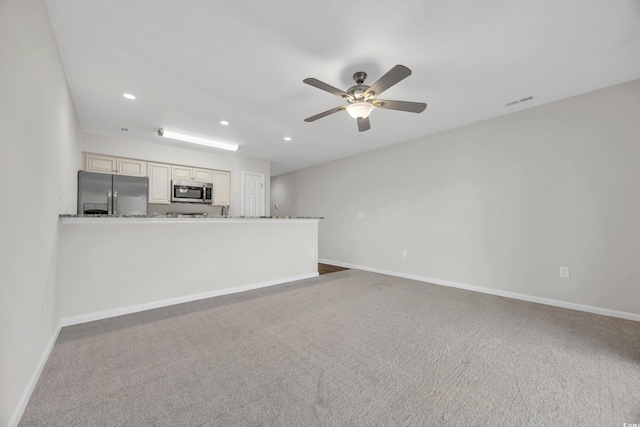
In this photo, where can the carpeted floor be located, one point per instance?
(345, 349)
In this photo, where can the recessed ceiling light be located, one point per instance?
(287, 138)
(128, 96)
(224, 122)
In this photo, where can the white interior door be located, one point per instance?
(253, 198)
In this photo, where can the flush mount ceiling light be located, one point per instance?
(224, 122)
(196, 140)
(128, 96)
(287, 138)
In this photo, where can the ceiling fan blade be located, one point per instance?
(412, 107)
(328, 88)
(363, 124)
(392, 77)
(324, 114)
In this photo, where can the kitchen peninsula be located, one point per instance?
(113, 265)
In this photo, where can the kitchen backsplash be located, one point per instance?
(184, 208)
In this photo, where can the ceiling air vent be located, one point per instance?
(519, 101)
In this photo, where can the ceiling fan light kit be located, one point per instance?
(362, 98)
(360, 109)
(196, 140)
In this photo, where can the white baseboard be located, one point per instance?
(497, 292)
(90, 317)
(35, 376)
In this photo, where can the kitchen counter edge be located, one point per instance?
(94, 219)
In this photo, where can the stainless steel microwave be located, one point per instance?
(191, 192)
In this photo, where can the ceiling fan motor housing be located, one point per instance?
(360, 77)
(357, 93)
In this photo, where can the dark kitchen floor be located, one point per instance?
(327, 268)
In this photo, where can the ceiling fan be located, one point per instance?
(362, 99)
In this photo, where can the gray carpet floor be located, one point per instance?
(345, 349)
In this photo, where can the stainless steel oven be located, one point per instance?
(191, 192)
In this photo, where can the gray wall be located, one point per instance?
(499, 204)
(40, 156)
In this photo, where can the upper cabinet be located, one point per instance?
(160, 176)
(107, 164)
(159, 183)
(131, 167)
(181, 173)
(185, 173)
(203, 175)
(101, 164)
(221, 188)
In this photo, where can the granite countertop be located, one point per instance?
(186, 216)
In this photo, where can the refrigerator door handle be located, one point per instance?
(115, 203)
(109, 203)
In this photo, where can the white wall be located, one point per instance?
(168, 152)
(40, 155)
(175, 154)
(40, 151)
(500, 204)
(132, 265)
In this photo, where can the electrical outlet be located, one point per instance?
(360, 215)
(564, 272)
(404, 254)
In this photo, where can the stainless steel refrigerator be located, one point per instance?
(100, 193)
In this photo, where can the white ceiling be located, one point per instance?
(192, 63)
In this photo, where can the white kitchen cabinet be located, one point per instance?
(131, 167)
(185, 173)
(159, 183)
(160, 176)
(221, 188)
(181, 172)
(203, 175)
(109, 164)
(100, 164)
